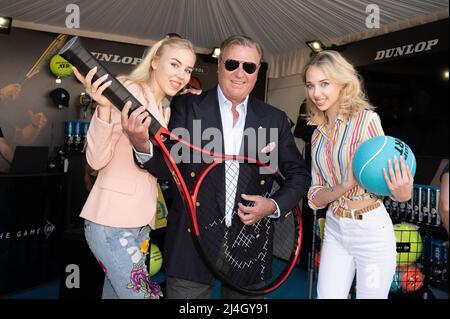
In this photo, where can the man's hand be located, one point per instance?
(38, 120)
(136, 127)
(251, 214)
(11, 91)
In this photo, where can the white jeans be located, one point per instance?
(367, 247)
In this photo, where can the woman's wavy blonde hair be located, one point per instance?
(143, 71)
(338, 70)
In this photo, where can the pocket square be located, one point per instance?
(268, 148)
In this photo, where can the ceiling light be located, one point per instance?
(5, 24)
(315, 45)
(173, 35)
(216, 53)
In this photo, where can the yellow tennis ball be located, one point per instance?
(60, 66)
(409, 243)
(156, 260)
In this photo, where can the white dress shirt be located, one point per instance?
(232, 136)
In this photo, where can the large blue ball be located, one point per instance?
(373, 155)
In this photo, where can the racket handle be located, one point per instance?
(75, 52)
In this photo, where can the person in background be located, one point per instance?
(10, 91)
(359, 235)
(5, 150)
(443, 199)
(23, 135)
(121, 206)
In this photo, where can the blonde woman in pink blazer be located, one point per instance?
(120, 210)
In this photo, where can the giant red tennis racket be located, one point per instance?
(253, 259)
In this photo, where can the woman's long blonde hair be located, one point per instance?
(143, 71)
(338, 70)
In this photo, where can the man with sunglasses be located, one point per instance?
(230, 109)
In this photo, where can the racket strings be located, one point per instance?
(241, 253)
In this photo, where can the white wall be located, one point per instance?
(287, 94)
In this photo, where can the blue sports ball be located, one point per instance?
(373, 155)
(396, 281)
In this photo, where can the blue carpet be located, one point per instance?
(296, 287)
(47, 291)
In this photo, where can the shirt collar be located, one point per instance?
(320, 121)
(225, 103)
(341, 119)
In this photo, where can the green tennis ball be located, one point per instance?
(156, 260)
(60, 67)
(409, 243)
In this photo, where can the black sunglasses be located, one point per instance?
(231, 65)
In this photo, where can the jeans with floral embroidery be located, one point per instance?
(118, 251)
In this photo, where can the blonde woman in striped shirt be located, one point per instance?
(359, 235)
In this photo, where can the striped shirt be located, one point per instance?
(331, 154)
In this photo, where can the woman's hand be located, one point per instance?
(136, 127)
(400, 183)
(94, 90)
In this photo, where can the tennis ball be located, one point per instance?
(409, 243)
(412, 279)
(60, 66)
(156, 260)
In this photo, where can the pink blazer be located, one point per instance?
(123, 194)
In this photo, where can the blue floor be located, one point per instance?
(47, 291)
(295, 287)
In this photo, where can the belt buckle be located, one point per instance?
(369, 208)
(358, 215)
(350, 213)
(345, 213)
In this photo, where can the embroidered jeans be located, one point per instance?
(118, 251)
